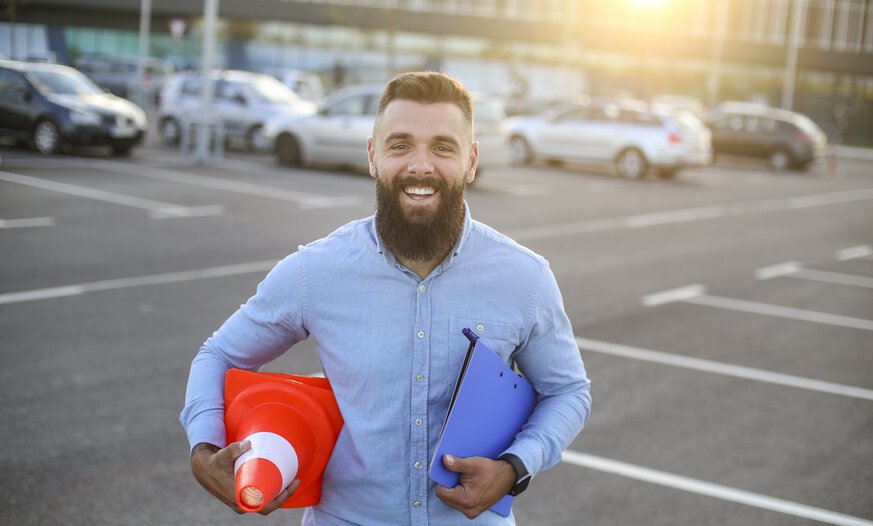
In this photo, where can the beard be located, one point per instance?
(421, 235)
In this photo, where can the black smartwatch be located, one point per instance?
(522, 477)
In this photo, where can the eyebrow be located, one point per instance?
(400, 136)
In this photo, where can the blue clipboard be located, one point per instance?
(489, 406)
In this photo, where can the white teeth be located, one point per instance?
(418, 190)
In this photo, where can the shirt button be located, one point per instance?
(418, 421)
(417, 504)
(417, 465)
(421, 334)
(419, 378)
(480, 328)
(422, 288)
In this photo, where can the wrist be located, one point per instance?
(522, 477)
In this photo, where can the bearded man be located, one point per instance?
(385, 298)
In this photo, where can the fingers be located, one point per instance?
(280, 499)
(455, 464)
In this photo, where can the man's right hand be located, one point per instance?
(213, 469)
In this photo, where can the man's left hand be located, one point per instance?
(483, 483)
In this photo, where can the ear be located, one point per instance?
(473, 163)
(371, 156)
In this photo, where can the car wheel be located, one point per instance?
(257, 141)
(287, 150)
(631, 164)
(520, 151)
(46, 137)
(780, 160)
(171, 132)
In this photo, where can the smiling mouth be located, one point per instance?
(419, 192)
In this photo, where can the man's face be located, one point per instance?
(422, 156)
(420, 150)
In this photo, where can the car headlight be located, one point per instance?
(85, 117)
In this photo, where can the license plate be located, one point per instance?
(124, 131)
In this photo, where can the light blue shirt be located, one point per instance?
(392, 347)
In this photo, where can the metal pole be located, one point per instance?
(713, 83)
(210, 16)
(793, 44)
(145, 18)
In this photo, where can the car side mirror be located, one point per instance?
(240, 99)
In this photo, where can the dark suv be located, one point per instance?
(786, 139)
(50, 106)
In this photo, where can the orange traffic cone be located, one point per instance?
(292, 423)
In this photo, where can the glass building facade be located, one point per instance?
(711, 49)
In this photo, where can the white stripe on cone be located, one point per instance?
(274, 448)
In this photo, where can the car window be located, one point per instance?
(735, 122)
(639, 117)
(63, 82)
(228, 90)
(354, 106)
(576, 114)
(608, 113)
(11, 82)
(752, 124)
(768, 125)
(191, 87)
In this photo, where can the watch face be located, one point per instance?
(520, 486)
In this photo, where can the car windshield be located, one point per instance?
(488, 111)
(64, 82)
(268, 89)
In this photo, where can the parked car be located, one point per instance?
(51, 105)
(337, 134)
(787, 140)
(119, 75)
(625, 133)
(242, 101)
(306, 85)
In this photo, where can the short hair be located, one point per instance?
(427, 87)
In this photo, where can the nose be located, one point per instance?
(420, 163)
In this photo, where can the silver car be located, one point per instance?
(625, 133)
(242, 102)
(337, 133)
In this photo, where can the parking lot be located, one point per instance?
(725, 318)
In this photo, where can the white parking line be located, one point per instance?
(691, 214)
(697, 294)
(27, 222)
(138, 281)
(725, 369)
(859, 252)
(158, 209)
(793, 269)
(304, 199)
(700, 487)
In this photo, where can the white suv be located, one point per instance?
(242, 102)
(624, 133)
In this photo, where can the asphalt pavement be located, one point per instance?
(725, 318)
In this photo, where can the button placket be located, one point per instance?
(419, 390)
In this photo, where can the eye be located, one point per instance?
(443, 148)
(399, 146)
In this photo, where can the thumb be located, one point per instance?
(453, 463)
(235, 450)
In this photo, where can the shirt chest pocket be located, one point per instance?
(502, 338)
